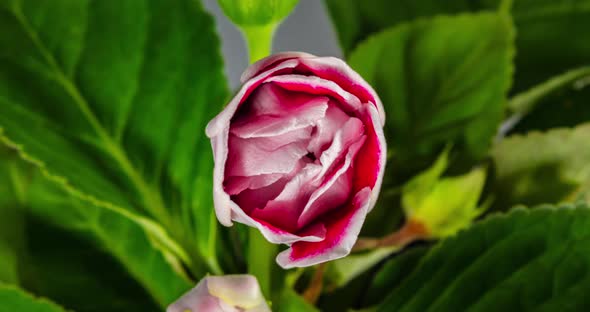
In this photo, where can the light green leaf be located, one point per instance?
(449, 206)
(527, 260)
(110, 99)
(542, 167)
(440, 81)
(14, 299)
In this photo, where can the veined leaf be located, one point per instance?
(357, 20)
(392, 273)
(544, 42)
(12, 239)
(14, 299)
(526, 260)
(542, 167)
(440, 81)
(122, 235)
(68, 267)
(72, 270)
(110, 99)
(524, 102)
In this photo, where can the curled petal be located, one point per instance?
(267, 62)
(342, 230)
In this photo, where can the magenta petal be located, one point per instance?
(218, 131)
(343, 227)
(351, 132)
(276, 235)
(326, 128)
(266, 122)
(284, 210)
(335, 69)
(370, 162)
(235, 185)
(334, 192)
(318, 86)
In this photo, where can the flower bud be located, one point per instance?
(226, 293)
(247, 13)
(443, 205)
(300, 154)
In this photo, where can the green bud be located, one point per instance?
(248, 13)
(257, 19)
(444, 205)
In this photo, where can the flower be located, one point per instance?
(228, 293)
(300, 155)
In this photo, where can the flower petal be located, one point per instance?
(343, 227)
(275, 235)
(284, 210)
(268, 116)
(218, 131)
(249, 157)
(351, 132)
(196, 299)
(326, 128)
(318, 86)
(370, 163)
(267, 62)
(334, 192)
(228, 293)
(241, 291)
(336, 70)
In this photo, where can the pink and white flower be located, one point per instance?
(300, 155)
(228, 293)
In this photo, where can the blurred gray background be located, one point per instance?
(307, 29)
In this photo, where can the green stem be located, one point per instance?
(261, 256)
(259, 40)
(505, 6)
(261, 253)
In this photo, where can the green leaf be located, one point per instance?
(544, 42)
(440, 81)
(72, 270)
(352, 266)
(12, 240)
(292, 302)
(527, 260)
(392, 273)
(110, 99)
(523, 102)
(14, 299)
(356, 20)
(557, 102)
(122, 235)
(542, 167)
